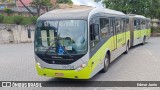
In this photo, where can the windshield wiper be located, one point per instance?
(63, 47)
(57, 43)
(50, 47)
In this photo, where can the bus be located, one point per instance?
(79, 43)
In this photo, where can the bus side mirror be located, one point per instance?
(29, 33)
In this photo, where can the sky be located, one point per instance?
(87, 3)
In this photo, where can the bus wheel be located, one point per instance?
(127, 48)
(144, 40)
(106, 64)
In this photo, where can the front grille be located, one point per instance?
(55, 61)
(63, 61)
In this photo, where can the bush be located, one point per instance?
(70, 2)
(155, 29)
(18, 19)
(8, 20)
(34, 19)
(64, 1)
(26, 21)
(1, 18)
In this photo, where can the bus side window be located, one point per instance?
(118, 26)
(139, 25)
(135, 24)
(112, 26)
(94, 35)
(123, 25)
(104, 27)
(143, 24)
(147, 24)
(127, 25)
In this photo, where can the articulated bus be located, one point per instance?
(79, 43)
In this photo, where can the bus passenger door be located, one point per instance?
(123, 25)
(119, 33)
(139, 29)
(113, 33)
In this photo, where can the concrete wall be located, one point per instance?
(15, 33)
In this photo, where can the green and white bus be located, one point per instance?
(79, 43)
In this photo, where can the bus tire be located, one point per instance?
(106, 64)
(144, 40)
(127, 48)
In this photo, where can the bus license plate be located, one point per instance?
(59, 74)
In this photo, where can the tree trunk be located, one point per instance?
(39, 10)
(27, 8)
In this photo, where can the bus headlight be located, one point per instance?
(81, 67)
(39, 65)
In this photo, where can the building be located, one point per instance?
(26, 2)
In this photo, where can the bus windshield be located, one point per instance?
(61, 37)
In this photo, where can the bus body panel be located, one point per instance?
(95, 63)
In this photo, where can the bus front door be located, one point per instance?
(113, 33)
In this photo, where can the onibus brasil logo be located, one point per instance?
(21, 84)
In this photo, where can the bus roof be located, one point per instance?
(138, 16)
(76, 13)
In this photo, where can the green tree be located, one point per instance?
(65, 1)
(155, 9)
(41, 4)
(8, 11)
(141, 7)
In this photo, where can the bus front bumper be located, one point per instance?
(71, 74)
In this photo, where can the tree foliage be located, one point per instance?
(148, 8)
(155, 9)
(8, 11)
(41, 4)
(64, 1)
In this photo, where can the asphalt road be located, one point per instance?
(142, 63)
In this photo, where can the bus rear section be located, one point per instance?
(140, 29)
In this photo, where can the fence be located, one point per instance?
(11, 33)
